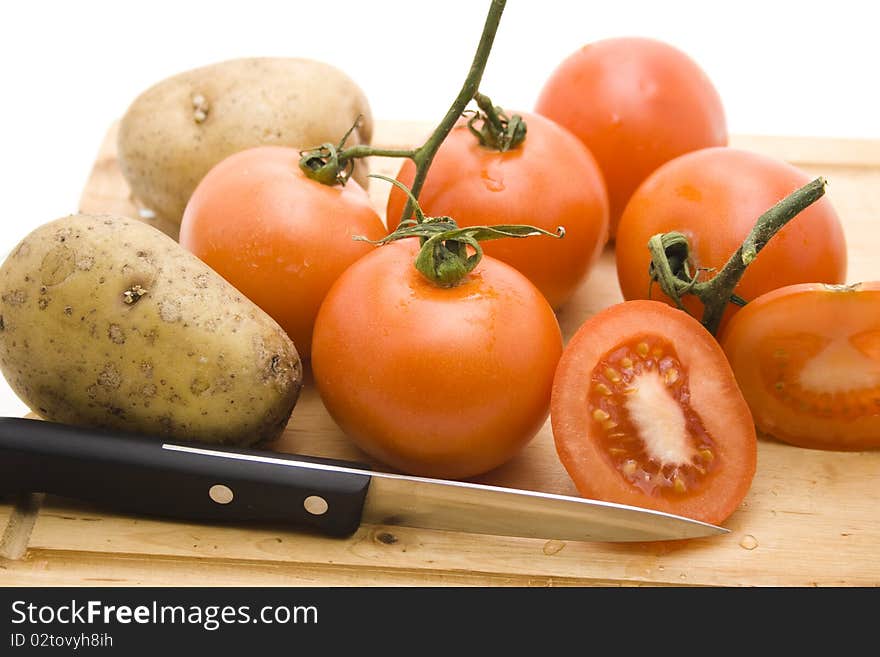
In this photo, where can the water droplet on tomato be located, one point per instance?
(648, 88)
(493, 180)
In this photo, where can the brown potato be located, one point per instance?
(175, 131)
(107, 322)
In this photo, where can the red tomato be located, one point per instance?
(645, 411)
(550, 180)
(636, 103)
(714, 196)
(279, 237)
(807, 358)
(440, 382)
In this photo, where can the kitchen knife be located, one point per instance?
(203, 482)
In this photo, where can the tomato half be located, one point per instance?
(279, 237)
(715, 196)
(646, 411)
(549, 180)
(807, 358)
(636, 103)
(439, 382)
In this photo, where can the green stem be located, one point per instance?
(330, 164)
(363, 150)
(424, 155)
(671, 263)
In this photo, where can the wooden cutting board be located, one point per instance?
(810, 518)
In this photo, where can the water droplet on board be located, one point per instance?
(552, 547)
(748, 542)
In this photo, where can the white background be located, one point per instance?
(69, 69)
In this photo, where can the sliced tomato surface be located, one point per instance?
(645, 410)
(807, 358)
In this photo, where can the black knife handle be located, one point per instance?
(143, 475)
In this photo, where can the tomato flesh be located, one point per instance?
(808, 360)
(640, 403)
(821, 376)
(646, 411)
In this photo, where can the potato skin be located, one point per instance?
(176, 130)
(107, 322)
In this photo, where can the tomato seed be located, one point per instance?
(612, 375)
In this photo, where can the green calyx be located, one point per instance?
(324, 164)
(449, 253)
(497, 131)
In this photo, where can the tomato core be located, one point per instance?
(640, 400)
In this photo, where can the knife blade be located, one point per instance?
(202, 482)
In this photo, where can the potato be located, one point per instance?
(175, 131)
(107, 322)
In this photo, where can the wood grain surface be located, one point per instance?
(811, 517)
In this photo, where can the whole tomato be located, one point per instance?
(435, 381)
(714, 197)
(636, 103)
(548, 180)
(279, 237)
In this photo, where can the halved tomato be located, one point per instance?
(807, 358)
(645, 410)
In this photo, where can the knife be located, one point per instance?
(203, 482)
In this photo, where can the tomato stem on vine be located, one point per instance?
(424, 155)
(327, 162)
(671, 266)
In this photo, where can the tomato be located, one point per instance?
(715, 196)
(807, 358)
(439, 382)
(645, 411)
(549, 180)
(636, 103)
(279, 237)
